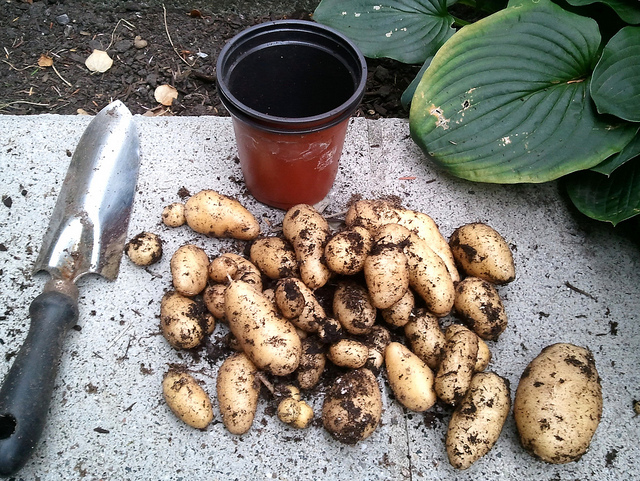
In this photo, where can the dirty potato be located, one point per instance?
(183, 321)
(312, 363)
(238, 390)
(426, 337)
(478, 304)
(352, 306)
(456, 367)
(186, 398)
(173, 215)
(275, 257)
(347, 250)
(144, 249)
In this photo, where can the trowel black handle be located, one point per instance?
(26, 391)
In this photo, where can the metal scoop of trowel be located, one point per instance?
(86, 234)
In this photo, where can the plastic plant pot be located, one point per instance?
(290, 87)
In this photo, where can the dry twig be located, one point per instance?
(166, 29)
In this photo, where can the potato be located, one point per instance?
(478, 304)
(236, 267)
(348, 353)
(377, 341)
(275, 257)
(213, 298)
(312, 363)
(374, 213)
(298, 304)
(189, 266)
(352, 407)
(295, 413)
(484, 353)
(411, 380)
(186, 398)
(183, 321)
(308, 232)
(558, 403)
(399, 313)
(269, 340)
(347, 250)
(456, 367)
(217, 215)
(352, 306)
(238, 390)
(173, 215)
(477, 421)
(144, 249)
(481, 252)
(426, 338)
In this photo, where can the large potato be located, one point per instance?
(268, 339)
(558, 403)
(186, 398)
(189, 266)
(478, 304)
(217, 215)
(183, 321)
(411, 380)
(352, 407)
(482, 252)
(477, 421)
(238, 390)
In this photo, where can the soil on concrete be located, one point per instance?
(45, 45)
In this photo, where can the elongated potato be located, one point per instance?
(308, 232)
(477, 421)
(347, 250)
(352, 407)
(238, 390)
(456, 367)
(352, 306)
(411, 380)
(312, 363)
(269, 340)
(183, 321)
(236, 267)
(189, 266)
(426, 338)
(558, 403)
(479, 305)
(482, 252)
(275, 257)
(211, 213)
(213, 298)
(186, 398)
(348, 353)
(484, 353)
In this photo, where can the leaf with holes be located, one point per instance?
(405, 30)
(611, 199)
(506, 99)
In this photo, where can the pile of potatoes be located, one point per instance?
(391, 275)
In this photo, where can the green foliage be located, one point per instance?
(533, 92)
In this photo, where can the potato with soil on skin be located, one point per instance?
(308, 232)
(213, 214)
(348, 353)
(189, 266)
(377, 341)
(275, 257)
(297, 303)
(558, 403)
(312, 363)
(426, 337)
(352, 407)
(398, 314)
(411, 380)
(173, 215)
(352, 306)
(213, 298)
(479, 306)
(268, 339)
(236, 267)
(186, 398)
(484, 353)
(347, 250)
(482, 252)
(456, 367)
(477, 421)
(295, 412)
(238, 389)
(144, 249)
(183, 321)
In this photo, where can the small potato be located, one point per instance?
(426, 338)
(186, 398)
(399, 313)
(217, 215)
(479, 305)
(352, 306)
(183, 321)
(477, 421)
(295, 413)
(213, 298)
(481, 252)
(274, 257)
(348, 353)
(268, 339)
(347, 250)
(484, 353)
(173, 215)
(558, 403)
(377, 341)
(144, 249)
(312, 363)
(411, 380)
(352, 407)
(308, 232)
(238, 390)
(189, 266)
(456, 367)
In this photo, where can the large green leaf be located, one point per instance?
(613, 199)
(405, 30)
(615, 86)
(506, 99)
(628, 10)
(631, 150)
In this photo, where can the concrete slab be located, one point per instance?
(577, 282)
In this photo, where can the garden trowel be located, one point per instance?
(86, 234)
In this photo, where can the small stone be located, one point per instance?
(63, 19)
(122, 46)
(139, 42)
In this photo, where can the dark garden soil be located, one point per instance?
(45, 45)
